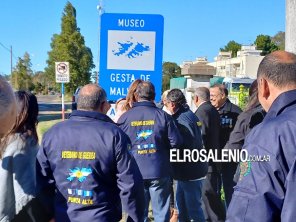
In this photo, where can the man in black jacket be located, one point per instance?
(228, 116)
(188, 173)
(210, 123)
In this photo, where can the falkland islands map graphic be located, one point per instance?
(131, 50)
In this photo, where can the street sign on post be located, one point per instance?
(130, 48)
(62, 72)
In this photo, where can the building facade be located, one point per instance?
(244, 65)
(197, 73)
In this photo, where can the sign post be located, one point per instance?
(130, 48)
(62, 76)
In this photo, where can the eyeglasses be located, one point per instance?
(215, 95)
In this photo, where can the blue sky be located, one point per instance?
(192, 28)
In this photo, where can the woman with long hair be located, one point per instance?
(17, 158)
(130, 97)
(253, 100)
(124, 104)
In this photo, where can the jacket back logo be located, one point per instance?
(78, 173)
(145, 134)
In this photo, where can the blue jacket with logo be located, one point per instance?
(85, 166)
(266, 190)
(187, 123)
(153, 133)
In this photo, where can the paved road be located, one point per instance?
(51, 103)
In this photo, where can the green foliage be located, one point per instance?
(42, 83)
(45, 125)
(242, 96)
(21, 77)
(169, 70)
(279, 40)
(233, 47)
(69, 46)
(95, 77)
(264, 43)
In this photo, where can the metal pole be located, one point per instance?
(10, 59)
(101, 11)
(63, 104)
(290, 38)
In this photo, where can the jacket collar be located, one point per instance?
(204, 104)
(90, 115)
(181, 110)
(280, 103)
(225, 104)
(144, 103)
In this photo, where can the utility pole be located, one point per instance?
(11, 60)
(101, 10)
(16, 82)
(290, 37)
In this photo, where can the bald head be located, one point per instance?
(276, 75)
(279, 68)
(91, 97)
(7, 107)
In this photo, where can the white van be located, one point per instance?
(232, 83)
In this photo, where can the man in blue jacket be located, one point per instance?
(84, 166)
(153, 133)
(188, 173)
(267, 186)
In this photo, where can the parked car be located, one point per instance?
(110, 113)
(75, 99)
(233, 84)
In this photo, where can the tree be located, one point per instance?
(279, 40)
(41, 82)
(233, 47)
(95, 77)
(169, 70)
(69, 46)
(21, 78)
(264, 43)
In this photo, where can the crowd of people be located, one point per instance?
(92, 168)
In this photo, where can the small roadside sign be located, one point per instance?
(62, 72)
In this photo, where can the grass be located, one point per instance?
(47, 120)
(68, 97)
(43, 126)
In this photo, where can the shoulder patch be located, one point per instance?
(245, 169)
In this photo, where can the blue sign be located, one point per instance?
(131, 48)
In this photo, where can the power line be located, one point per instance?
(9, 50)
(4, 47)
